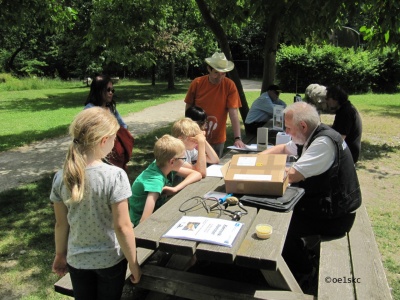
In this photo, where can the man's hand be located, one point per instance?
(239, 143)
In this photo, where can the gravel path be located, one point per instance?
(27, 164)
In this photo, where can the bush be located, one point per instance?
(357, 71)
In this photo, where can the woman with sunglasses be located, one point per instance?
(102, 94)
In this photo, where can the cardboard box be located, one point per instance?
(256, 174)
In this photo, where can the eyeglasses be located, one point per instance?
(183, 158)
(110, 90)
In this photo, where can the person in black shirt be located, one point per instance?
(347, 119)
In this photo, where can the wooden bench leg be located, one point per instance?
(282, 278)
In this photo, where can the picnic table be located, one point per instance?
(354, 256)
(248, 253)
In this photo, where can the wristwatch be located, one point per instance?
(238, 138)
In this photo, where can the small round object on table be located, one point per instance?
(263, 231)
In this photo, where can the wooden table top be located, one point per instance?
(247, 249)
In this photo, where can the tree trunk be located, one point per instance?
(10, 63)
(171, 74)
(223, 42)
(270, 49)
(153, 75)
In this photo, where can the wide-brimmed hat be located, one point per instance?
(219, 62)
(275, 88)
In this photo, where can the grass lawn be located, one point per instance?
(33, 115)
(26, 216)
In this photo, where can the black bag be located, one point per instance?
(283, 203)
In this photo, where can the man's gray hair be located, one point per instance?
(302, 111)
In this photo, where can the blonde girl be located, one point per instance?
(93, 233)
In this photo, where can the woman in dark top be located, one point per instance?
(347, 119)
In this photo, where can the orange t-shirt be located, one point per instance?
(215, 99)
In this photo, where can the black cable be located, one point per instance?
(221, 208)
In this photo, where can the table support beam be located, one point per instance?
(282, 278)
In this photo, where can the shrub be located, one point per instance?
(357, 71)
(10, 83)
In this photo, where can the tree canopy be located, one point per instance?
(77, 37)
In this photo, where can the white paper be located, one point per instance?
(203, 229)
(251, 147)
(253, 177)
(247, 161)
(248, 148)
(214, 171)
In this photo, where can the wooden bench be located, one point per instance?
(351, 267)
(64, 285)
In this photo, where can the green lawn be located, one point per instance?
(26, 216)
(33, 115)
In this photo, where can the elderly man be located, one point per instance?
(262, 109)
(326, 171)
(218, 97)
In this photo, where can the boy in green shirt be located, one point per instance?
(152, 186)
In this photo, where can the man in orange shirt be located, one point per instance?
(218, 96)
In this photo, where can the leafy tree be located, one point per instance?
(26, 23)
(298, 22)
(219, 32)
(381, 23)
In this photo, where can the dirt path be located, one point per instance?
(27, 164)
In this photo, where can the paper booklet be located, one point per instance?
(278, 118)
(251, 147)
(207, 230)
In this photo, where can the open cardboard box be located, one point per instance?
(256, 174)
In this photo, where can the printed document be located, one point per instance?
(207, 230)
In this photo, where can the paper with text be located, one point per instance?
(207, 230)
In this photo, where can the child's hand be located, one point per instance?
(136, 273)
(60, 266)
(199, 138)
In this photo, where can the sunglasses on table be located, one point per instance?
(110, 90)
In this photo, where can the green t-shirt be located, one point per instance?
(150, 180)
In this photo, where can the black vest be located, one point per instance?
(335, 192)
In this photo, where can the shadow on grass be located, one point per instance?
(374, 151)
(383, 111)
(76, 98)
(16, 140)
(27, 239)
